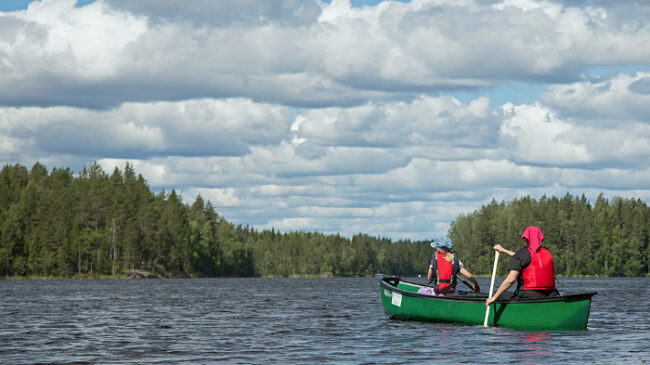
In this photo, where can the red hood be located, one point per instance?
(534, 236)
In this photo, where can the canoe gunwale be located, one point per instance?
(473, 297)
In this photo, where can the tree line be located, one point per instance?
(608, 238)
(53, 223)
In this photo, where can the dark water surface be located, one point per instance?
(305, 321)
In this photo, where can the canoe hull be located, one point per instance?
(568, 312)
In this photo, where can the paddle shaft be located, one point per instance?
(494, 273)
(464, 282)
(468, 284)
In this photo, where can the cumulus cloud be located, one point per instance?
(216, 13)
(190, 128)
(322, 116)
(52, 44)
(426, 121)
(301, 53)
(606, 100)
(537, 135)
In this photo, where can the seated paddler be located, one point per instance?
(531, 268)
(444, 268)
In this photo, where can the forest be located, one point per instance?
(55, 224)
(93, 224)
(604, 239)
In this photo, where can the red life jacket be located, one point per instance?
(445, 272)
(539, 275)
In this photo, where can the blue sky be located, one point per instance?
(11, 5)
(385, 118)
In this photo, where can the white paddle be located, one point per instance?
(494, 272)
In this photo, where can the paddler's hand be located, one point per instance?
(477, 288)
(489, 301)
(500, 249)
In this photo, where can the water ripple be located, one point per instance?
(264, 321)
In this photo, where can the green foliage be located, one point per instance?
(606, 239)
(97, 225)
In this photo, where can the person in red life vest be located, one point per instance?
(443, 268)
(531, 267)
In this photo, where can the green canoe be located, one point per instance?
(401, 301)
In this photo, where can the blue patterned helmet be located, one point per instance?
(442, 242)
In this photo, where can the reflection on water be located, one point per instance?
(264, 321)
(535, 347)
(442, 334)
(535, 337)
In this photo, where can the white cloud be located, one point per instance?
(199, 127)
(300, 115)
(59, 39)
(610, 100)
(300, 53)
(424, 121)
(537, 136)
(209, 12)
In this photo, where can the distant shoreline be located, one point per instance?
(149, 275)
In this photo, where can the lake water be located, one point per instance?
(307, 321)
